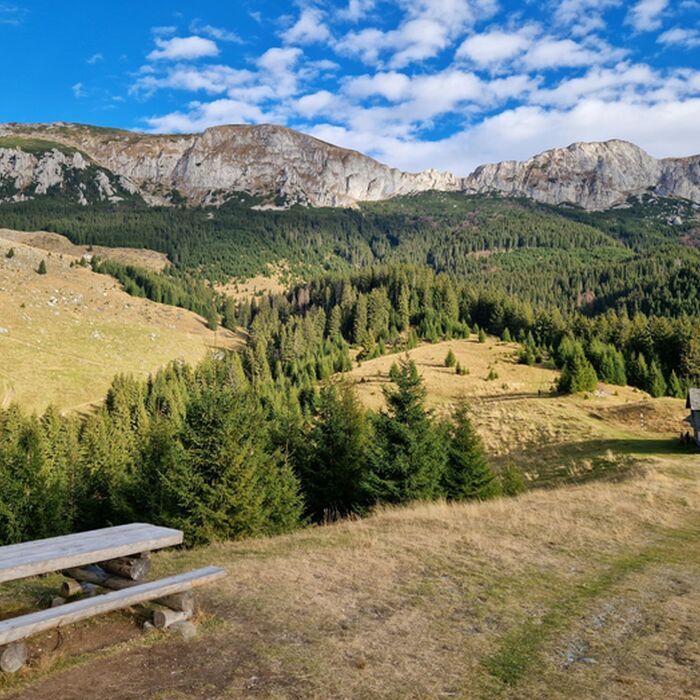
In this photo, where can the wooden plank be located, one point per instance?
(25, 626)
(79, 549)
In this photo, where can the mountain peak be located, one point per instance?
(280, 165)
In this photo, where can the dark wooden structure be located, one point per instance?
(693, 403)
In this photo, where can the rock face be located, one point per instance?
(267, 161)
(284, 167)
(590, 175)
(25, 175)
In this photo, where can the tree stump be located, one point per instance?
(13, 657)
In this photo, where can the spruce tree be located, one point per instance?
(482, 335)
(467, 473)
(42, 268)
(408, 459)
(335, 462)
(675, 386)
(578, 373)
(450, 359)
(656, 381)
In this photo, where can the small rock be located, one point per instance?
(57, 601)
(147, 626)
(186, 629)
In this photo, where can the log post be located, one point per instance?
(70, 588)
(134, 568)
(164, 617)
(13, 657)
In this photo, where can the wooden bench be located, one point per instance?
(116, 559)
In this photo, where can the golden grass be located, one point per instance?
(427, 601)
(64, 335)
(56, 243)
(516, 415)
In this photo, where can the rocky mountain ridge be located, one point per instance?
(281, 167)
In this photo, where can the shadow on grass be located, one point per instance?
(604, 459)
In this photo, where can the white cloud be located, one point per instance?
(687, 38)
(427, 28)
(214, 79)
(308, 29)
(183, 49)
(645, 15)
(357, 10)
(495, 46)
(201, 116)
(218, 33)
(550, 53)
(95, 58)
(78, 90)
(392, 86)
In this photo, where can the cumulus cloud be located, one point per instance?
(495, 46)
(686, 38)
(308, 29)
(200, 116)
(645, 15)
(183, 48)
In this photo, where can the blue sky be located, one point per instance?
(447, 84)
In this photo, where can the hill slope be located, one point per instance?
(65, 334)
(586, 592)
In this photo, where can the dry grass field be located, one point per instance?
(586, 591)
(549, 437)
(55, 243)
(65, 334)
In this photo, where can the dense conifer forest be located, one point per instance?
(266, 439)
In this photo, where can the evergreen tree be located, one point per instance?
(506, 336)
(10, 253)
(42, 268)
(657, 383)
(675, 387)
(578, 373)
(450, 359)
(482, 335)
(335, 462)
(467, 473)
(408, 458)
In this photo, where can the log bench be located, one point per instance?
(116, 559)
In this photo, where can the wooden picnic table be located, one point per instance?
(114, 559)
(58, 553)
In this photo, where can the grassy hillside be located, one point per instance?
(65, 334)
(550, 437)
(587, 591)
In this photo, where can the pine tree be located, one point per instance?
(482, 335)
(506, 337)
(467, 473)
(335, 462)
(450, 359)
(578, 373)
(408, 458)
(10, 253)
(42, 268)
(675, 387)
(657, 383)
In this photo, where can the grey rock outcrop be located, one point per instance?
(284, 167)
